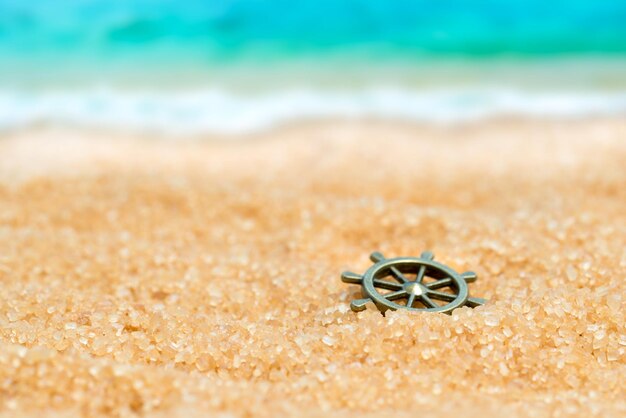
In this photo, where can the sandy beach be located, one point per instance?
(164, 277)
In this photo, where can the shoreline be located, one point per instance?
(202, 111)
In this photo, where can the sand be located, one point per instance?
(151, 277)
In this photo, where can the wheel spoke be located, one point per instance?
(398, 275)
(469, 276)
(428, 301)
(420, 274)
(427, 255)
(358, 305)
(439, 283)
(474, 302)
(383, 284)
(350, 277)
(441, 296)
(376, 257)
(409, 303)
(395, 295)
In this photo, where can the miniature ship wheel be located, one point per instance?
(416, 284)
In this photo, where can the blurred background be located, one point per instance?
(195, 67)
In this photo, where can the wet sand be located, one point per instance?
(197, 277)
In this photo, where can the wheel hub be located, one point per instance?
(415, 288)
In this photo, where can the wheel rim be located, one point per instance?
(414, 290)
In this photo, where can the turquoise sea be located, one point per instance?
(193, 65)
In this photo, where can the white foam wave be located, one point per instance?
(219, 111)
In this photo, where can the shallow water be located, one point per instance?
(229, 30)
(197, 66)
